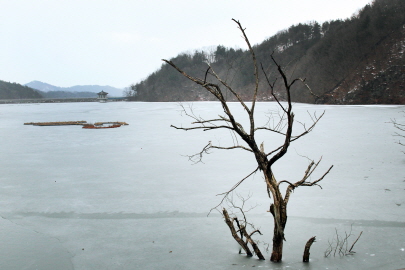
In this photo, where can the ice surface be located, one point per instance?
(127, 198)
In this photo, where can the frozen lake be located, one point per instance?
(127, 198)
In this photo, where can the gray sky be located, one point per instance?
(119, 42)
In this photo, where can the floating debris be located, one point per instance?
(66, 123)
(84, 124)
(100, 126)
(111, 123)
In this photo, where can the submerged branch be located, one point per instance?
(235, 233)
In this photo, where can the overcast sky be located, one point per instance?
(120, 42)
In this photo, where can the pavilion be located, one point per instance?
(102, 96)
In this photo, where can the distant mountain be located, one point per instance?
(75, 91)
(17, 91)
(42, 86)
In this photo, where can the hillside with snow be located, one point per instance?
(359, 60)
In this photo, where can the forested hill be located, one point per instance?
(17, 91)
(359, 60)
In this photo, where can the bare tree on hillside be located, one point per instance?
(401, 131)
(265, 158)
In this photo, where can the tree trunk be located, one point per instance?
(277, 253)
(280, 219)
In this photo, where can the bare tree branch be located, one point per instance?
(309, 88)
(272, 88)
(256, 74)
(401, 128)
(238, 97)
(203, 128)
(197, 158)
(232, 147)
(225, 194)
(303, 182)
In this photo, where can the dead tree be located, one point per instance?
(264, 159)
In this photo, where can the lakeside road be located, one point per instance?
(56, 100)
